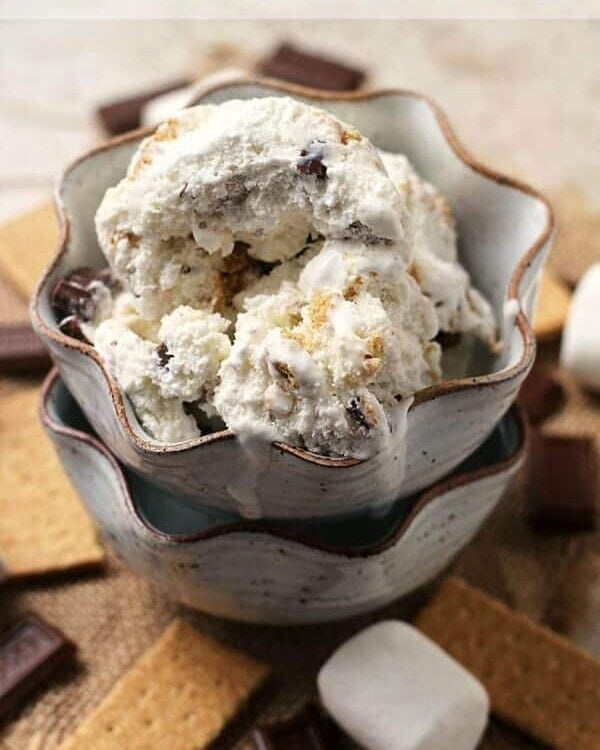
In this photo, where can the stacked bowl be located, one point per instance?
(331, 537)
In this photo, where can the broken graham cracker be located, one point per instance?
(536, 680)
(552, 306)
(27, 245)
(180, 694)
(44, 528)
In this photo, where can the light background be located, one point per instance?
(524, 96)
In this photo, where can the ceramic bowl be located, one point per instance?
(505, 228)
(273, 571)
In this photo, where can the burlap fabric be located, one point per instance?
(115, 616)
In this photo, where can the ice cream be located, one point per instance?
(273, 270)
(321, 361)
(459, 307)
(265, 172)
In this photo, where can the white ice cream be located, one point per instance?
(278, 272)
(459, 307)
(165, 368)
(321, 361)
(241, 171)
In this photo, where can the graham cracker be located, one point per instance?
(43, 528)
(180, 694)
(27, 245)
(537, 680)
(577, 243)
(552, 306)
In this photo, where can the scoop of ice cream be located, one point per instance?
(264, 172)
(169, 370)
(460, 308)
(321, 359)
(277, 272)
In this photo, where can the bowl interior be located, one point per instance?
(498, 223)
(169, 514)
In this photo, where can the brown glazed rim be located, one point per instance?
(427, 394)
(271, 527)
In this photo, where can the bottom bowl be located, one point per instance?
(270, 571)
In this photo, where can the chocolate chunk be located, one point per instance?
(355, 412)
(291, 64)
(362, 233)
(311, 161)
(309, 729)
(21, 351)
(562, 482)
(71, 326)
(124, 114)
(541, 395)
(76, 293)
(285, 372)
(30, 651)
(163, 355)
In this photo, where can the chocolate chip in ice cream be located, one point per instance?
(357, 414)
(311, 161)
(359, 232)
(288, 376)
(163, 354)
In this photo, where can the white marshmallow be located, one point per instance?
(580, 348)
(391, 688)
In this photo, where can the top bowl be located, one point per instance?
(504, 231)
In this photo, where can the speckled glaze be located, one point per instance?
(271, 572)
(505, 230)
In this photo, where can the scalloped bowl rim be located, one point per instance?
(270, 528)
(427, 394)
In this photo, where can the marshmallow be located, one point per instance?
(391, 688)
(580, 349)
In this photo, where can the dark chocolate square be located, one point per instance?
(541, 395)
(292, 64)
(562, 482)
